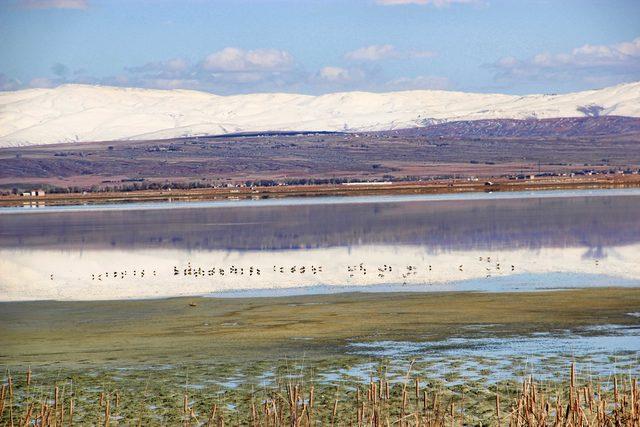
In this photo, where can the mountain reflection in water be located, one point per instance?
(591, 222)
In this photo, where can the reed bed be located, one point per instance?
(409, 402)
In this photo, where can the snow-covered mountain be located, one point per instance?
(72, 113)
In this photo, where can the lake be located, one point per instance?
(483, 242)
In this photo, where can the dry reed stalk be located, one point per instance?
(3, 396)
(311, 403)
(533, 406)
(424, 402)
(71, 403)
(62, 410)
(27, 417)
(10, 401)
(335, 411)
(498, 418)
(453, 414)
(56, 393)
(254, 415)
(404, 402)
(193, 416)
(107, 413)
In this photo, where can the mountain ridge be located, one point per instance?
(561, 127)
(71, 113)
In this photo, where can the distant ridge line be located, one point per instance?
(484, 128)
(81, 113)
(555, 127)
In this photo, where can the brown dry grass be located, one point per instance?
(378, 403)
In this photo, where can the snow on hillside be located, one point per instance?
(71, 113)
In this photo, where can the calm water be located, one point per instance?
(493, 242)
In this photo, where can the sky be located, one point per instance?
(321, 46)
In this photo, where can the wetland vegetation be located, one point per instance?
(255, 361)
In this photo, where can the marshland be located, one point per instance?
(147, 357)
(448, 310)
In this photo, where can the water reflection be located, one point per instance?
(419, 244)
(591, 222)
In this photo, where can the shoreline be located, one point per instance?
(329, 190)
(319, 292)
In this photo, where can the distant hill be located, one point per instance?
(73, 113)
(511, 128)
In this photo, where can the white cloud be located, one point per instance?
(335, 74)
(176, 64)
(378, 52)
(161, 83)
(436, 3)
(508, 62)
(232, 59)
(233, 71)
(229, 70)
(54, 4)
(589, 62)
(170, 67)
(587, 56)
(419, 82)
(374, 52)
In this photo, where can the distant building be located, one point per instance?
(33, 193)
(368, 183)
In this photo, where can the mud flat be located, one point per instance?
(156, 331)
(148, 357)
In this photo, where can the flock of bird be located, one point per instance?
(251, 270)
(352, 270)
(116, 274)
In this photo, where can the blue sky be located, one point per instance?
(319, 46)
